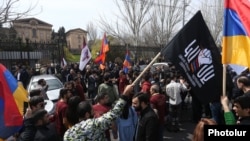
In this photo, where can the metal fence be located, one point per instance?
(30, 54)
(16, 52)
(136, 52)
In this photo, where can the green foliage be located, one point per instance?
(69, 56)
(114, 54)
(95, 48)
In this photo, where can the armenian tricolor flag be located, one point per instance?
(102, 54)
(127, 62)
(12, 99)
(236, 34)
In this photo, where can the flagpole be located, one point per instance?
(149, 65)
(224, 80)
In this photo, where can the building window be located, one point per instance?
(79, 39)
(34, 33)
(41, 36)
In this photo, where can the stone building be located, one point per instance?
(33, 29)
(74, 38)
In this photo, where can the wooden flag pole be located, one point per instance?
(148, 66)
(224, 80)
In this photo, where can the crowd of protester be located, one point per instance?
(94, 102)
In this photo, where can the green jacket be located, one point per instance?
(229, 118)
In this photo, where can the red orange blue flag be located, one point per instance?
(127, 62)
(12, 99)
(236, 33)
(100, 59)
(105, 45)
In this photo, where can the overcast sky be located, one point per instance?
(70, 13)
(76, 13)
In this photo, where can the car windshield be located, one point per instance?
(52, 83)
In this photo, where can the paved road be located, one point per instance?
(185, 134)
(186, 128)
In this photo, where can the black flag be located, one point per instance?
(195, 54)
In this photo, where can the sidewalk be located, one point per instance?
(185, 134)
(186, 127)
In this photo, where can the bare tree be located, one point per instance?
(9, 11)
(212, 12)
(92, 32)
(167, 17)
(134, 16)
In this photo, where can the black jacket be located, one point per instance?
(46, 133)
(38, 133)
(28, 132)
(147, 127)
(244, 121)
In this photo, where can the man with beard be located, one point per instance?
(93, 129)
(148, 123)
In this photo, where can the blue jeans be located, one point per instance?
(216, 112)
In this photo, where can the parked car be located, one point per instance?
(153, 67)
(52, 81)
(54, 87)
(165, 65)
